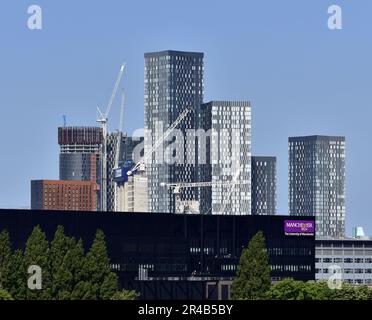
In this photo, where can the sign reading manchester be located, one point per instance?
(299, 227)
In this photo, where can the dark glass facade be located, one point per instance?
(153, 250)
(264, 185)
(79, 153)
(77, 166)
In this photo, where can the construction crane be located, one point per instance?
(119, 137)
(178, 186)
(158, 142)
(103, 119)
(120, 130)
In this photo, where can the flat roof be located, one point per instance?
(122, 214)
(317, 137)
(64, 182)
(174, 53)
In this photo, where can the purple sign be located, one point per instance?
(299, 227)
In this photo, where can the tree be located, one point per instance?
(5, 259)
(83, 291)
(66, 272)
(75, 261)
(4, 295)
(37, 253)
(352, 292)
(253, 273)
(317, 290)
(60, 268)
(18, 277)
(109, 286)
(97, 270)
(287, 289)
(125, 295)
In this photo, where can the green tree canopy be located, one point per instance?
(253, 273)
(97, 270)
(4, 295)
(67, 273)
(62, 265)
(37, 253)
(289, 289)
(125, 295)
(17, 281)
(5, 259)
(75, 261)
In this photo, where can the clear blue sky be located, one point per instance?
(300, 77)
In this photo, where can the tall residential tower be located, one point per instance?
(173, 82)
(264, 185)
(317, 181)
(225, 157)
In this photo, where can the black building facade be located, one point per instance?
(175, 256)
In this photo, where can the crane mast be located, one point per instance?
(119, 137)
(120, 130)
(103, 120)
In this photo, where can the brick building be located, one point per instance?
(63, 195)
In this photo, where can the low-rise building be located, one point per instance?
(64, 195)
(178, 256)
(352, 257)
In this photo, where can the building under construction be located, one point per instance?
(79, 158)
(79, 153)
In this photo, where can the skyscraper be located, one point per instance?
(173, 82)
(317, 181)
(79, 158)
(114, 147)
(227, 158)
(79, 153)
(264, 185)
